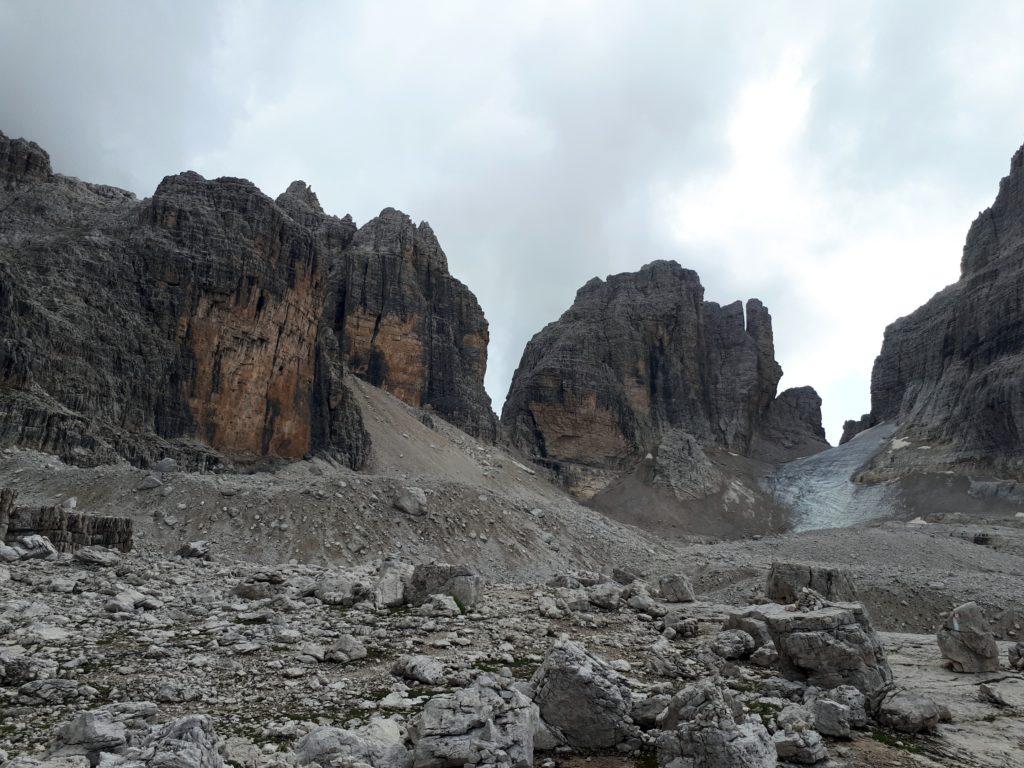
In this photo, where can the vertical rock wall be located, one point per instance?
(641, 354)
(949, 375)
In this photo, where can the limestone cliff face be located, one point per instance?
(210, 322)
(189, 324)
(950, 373)
(406, 325)
(640, 354)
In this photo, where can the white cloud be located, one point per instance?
(835, 265)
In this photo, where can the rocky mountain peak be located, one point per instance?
(637, 355)
(22, 161)
(302, 194)
(209, 322)
(998, 231)
(407, 325)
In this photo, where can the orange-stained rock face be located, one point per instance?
(255, 365)
(580, 431)
(388, 352)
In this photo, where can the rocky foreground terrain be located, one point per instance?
(248, 648)
(198, 660)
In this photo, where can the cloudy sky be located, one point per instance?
(827, 158)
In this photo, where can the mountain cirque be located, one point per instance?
(642, 355)
(948, 374)
(209, 322)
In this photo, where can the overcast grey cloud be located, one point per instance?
(827, 158)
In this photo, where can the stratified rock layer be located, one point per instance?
(949, 374)
(642, 353)
(68, 530)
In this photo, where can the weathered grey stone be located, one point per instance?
(346, 648)
(95, 555)
(853, 699)
(88, 734)
(746, 619)
(197, 549)
(421, 668)
(165, 465)
(379, 744)
(830, 646)
(1008, 692)
(647, 710)
(411, 500)
(910, 712)
(482, 724)
(831, 718)
(705, 727)
(389, 590)
(965, 639)
(34, 547)
(606, 596)
(785, 580)
(459, 581)
(1015, 656)
(49, 691)
(733, 644)
(765, 656)
(582, 697)
(149, 483)
(801, 747)
(185, 742)
(339, 588)
(439, 605)
(676, 588)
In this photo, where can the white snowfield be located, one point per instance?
(819, 488)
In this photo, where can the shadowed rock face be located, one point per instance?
(406, 325)
(211, 322)
(950, 373)
(643, 353)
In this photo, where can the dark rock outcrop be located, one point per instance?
(204, 324)
(22, 162)
(641, 354)
(406, 325)
(853, 427)
(950, 373)
(787, 580)
(791, 427)
(68, 530)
